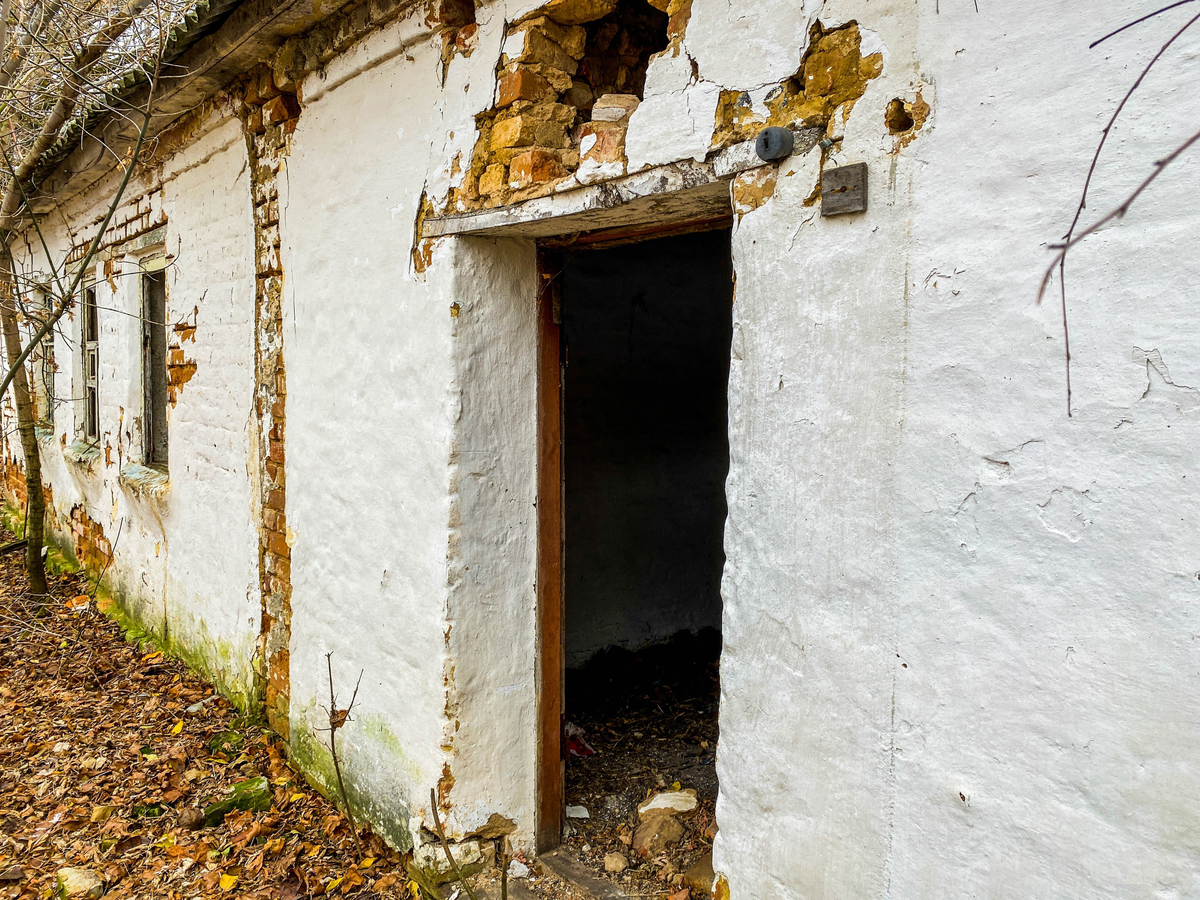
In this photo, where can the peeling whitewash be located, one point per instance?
(960, 649)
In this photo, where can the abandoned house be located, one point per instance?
(488, 344)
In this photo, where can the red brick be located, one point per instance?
(534, 167)
(524, 85)
(278, 544)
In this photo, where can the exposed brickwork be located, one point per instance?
(571, 75)
(136, 217)
(270, 115)
(92, 549)
(14, 482)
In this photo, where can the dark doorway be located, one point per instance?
(646, 330)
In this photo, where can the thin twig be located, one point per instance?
(1119, 212)
(338, 718)
(458, 875)
(1070, 238)
(1157, 12)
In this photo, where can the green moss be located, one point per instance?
(218, 660)
(385, 810)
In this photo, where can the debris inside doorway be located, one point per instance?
(650, 789)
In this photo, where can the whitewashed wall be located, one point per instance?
(959, 655)
(367, 350)
(185, 561)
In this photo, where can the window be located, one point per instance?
(42, 361)
(91, 366)
(154, 367)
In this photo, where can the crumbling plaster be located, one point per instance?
(181, 566)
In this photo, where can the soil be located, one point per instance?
(651, 717)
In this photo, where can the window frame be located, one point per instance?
(42, 364)
(153, 358)
(89, 350)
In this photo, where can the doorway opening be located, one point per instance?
(645, 335)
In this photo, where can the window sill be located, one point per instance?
(44, 432)
(144, 480)
(82, 453)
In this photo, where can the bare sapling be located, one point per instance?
(338, 718)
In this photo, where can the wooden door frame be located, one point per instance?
(550, 779)
(551, 671)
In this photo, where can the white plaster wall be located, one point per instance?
(369, 412)
(492, 605)
(212, 540)
(958, 656)
(185, 563)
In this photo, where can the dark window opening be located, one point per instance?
(91, 367)
(154, 367)
(647, 328)
(42, 360)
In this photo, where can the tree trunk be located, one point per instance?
(35, 500)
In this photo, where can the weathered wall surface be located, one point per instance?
(958, 624)
(181, 565)
(492, 552)
(369, 415)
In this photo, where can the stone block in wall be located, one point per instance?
(494, 179)
(450, 13)
(535, 167)
(571, 38)
(279, 109)
(602, 142)
(262, 87)
(561, 80)
(577, 12)
(254, 121)
(524, 84)
(614, 107)
(542, 124)
(680, 12)
(534, 47)
(580, 96)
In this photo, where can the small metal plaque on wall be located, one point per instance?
(844, 190)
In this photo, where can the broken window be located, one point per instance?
(90, 331)
(154, 367)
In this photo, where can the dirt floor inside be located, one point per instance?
(651, 718)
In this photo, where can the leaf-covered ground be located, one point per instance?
(108, 748)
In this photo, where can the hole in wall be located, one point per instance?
(566, 87)
(897, 117)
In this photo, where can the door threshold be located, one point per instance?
(563, 864)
